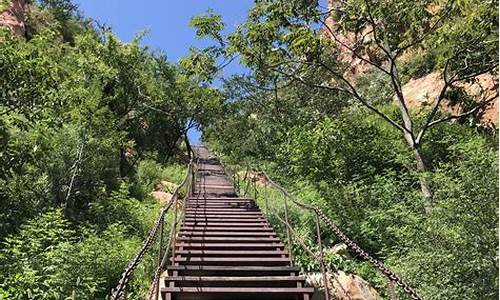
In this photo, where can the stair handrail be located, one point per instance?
(391, 275)
(120, 291)
(320, 215)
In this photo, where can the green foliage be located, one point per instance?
(19, 202)
(3, 5)
(150, 173)
(87, 126)
(460, 240)
(209, 25)
(418, 65)
(49, 260)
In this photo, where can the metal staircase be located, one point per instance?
(221, 246)
(225, 248)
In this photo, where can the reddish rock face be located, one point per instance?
(342, 286)
(345, 42)
(419, 92)
(424, 91)
(13, 18)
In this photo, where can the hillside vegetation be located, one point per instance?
(88, 125)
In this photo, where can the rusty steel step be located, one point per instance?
(239, 281)
(233, 261)
(213, 239)
(222, 204)
(225, 214)
(226, 224)
(220, 198)
(254, 290)
(235, 215)
(230, 245)
(223, 209)
(224, 219)
(226, 233)
(234, 210)
(238, 293)
(229, 228)
(235, 278)
(231, 252)
(241, 271)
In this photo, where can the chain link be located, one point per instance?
(364, 255)
(119, 292)
(351, 244)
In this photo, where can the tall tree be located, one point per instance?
(294, 41)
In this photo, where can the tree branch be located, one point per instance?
(447, 84)
(374, 27)
(427, 33)
(492, 67)
(364, 102)
(467, 113)
(352, 92)
(352, 50)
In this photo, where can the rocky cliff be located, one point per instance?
(14, 17)
(422, 92)
(419, 92)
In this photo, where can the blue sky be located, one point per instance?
(166, 21)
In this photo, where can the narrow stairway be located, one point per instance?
(226, 249)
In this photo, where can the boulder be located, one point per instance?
(342, 287)
(161, 196)
(257, 177)
(166, 186)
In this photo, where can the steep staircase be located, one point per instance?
(226, 249)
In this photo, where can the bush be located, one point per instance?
(23, 196)
(418, 65)
(50, 260)
(150, 173)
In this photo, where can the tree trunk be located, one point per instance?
(188, 145)
(410, 139)
(170, 150)
(123, 162)
(391, 291)
(421, 168)
(75, 168)
(424, 184)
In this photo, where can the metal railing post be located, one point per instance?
(174, 228)
(246, 179)
(265, 198)
(238, 184)
(254, 181)
(322, 257)
(160, 255)
(288, 234)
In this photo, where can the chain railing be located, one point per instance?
(157, 233)
(320, 217)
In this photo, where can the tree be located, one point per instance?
(291, 41)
